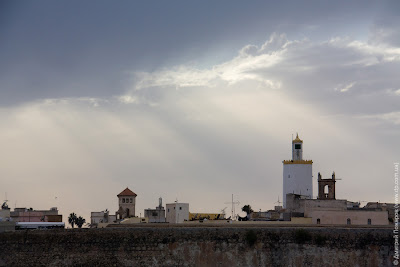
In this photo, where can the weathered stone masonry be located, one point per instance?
(198, 246)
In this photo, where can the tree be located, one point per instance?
(80, 221)
(247, 209)
(72, 219)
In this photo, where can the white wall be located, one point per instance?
(297, 179)
(357, 217)
(5, 215)
(101, 217)
(97, 217)
(177, 212)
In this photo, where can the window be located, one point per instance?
(348, 221)
(130, 201)
(180, 208)
(174, 207)
(369, 221)
(168, 210)
(288, 176)
(123, 200)
(297, 146)
(326, 189)
(318, 221)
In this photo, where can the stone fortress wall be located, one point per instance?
(199, 246)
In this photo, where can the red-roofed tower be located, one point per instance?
(126, 203)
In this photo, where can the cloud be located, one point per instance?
(391, 117)
(95, 102)
(344, 88)
(383, 31)
(309, 70)
(127, 99)
(243, 67)
(188, 131)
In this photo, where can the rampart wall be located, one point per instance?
(198, 246)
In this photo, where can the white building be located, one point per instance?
(297, 173)
(177, 212)
(97, 217)
(156, 215)
(5, 213)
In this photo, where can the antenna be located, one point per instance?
(279, 202)
(233, 206)
(223, 210)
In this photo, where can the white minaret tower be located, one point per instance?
(297, 173)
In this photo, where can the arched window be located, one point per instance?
(326, 190)
(318, 221)
(348, 221)
(369, 222)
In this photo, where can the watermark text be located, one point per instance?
(396, 215)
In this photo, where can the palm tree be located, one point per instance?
(72, 219)
(80, 221)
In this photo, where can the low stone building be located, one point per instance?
(156, 215)
(134, 220)
(6, 223)
(329, 210)
(377, 206)
(31, 215)
(97, 217)
(5, 215)
(270, 215)
(298, 204)
(356, 217)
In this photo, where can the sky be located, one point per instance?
(195, 101)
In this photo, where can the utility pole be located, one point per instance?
(233, 206)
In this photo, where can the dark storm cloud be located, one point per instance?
(341, 75)
(83, 49)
